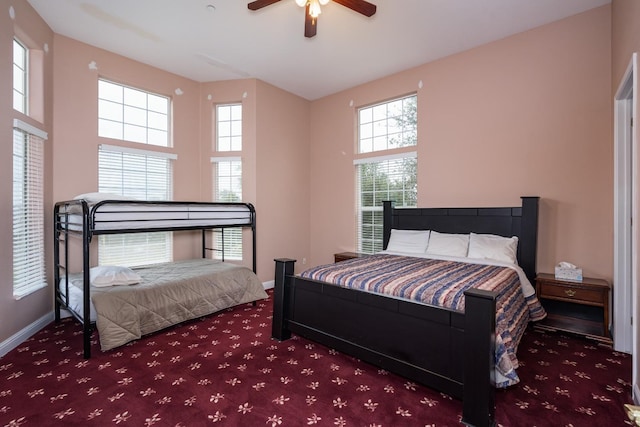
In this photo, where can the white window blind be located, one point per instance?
(143, 175)
(131, 114)
(28, 209)
(228, 188)
(20, 76)
(389, 179)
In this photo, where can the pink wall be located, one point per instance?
(76, 116)
(274, 161)
(76, 123)
(283, 167)
(275, 131)
(32, 30)
(496, 122)
(212, 94)
(526, 115)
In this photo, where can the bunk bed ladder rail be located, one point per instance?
(62, 234)
(86, 291)
(58, 231)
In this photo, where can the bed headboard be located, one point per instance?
(521, 221)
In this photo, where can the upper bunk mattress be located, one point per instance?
(118, 215)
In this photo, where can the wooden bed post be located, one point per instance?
(529, 236)
(284, 268)
(254, 247)
(478, 397)
(387, 222)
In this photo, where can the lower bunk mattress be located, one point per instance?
(442, 282)
(169, 293)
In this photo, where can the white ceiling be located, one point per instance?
(227, 41)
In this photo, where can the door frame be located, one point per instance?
(625, 208)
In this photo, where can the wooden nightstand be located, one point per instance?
(343, 256)
(578, 307)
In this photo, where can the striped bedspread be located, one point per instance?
(442, 283)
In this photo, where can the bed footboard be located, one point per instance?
(431, 345)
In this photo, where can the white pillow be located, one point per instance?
(490, 246)
(448, 244)
(113, 275)
(414, 241)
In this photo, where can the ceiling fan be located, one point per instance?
(312, 10)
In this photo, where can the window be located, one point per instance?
(391, 176)
(229, 127)
(228, 188)
(20, 77)
(134, 115)
(142, 175)
(378, 180)
(28, 209)
(228, 185)
(388, 125)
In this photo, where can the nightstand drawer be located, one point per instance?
(577, 307)
(571, 293)
(343, 256)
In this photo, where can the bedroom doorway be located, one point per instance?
(625, 208)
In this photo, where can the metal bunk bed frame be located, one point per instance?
(66, 226)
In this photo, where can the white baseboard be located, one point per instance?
(269, 285)
(21, 336)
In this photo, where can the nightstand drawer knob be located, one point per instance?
(570, 292)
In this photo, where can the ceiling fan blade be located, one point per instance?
(310, 24)
(259, 4)
(360, 6)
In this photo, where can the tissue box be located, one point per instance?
(567, 273)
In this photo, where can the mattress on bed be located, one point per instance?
(75, 301)
(168, 294)
(442, 282)
(131, 215)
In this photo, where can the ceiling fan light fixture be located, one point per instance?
(303, 3)
(314, 8)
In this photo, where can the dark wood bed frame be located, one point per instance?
(440, 348)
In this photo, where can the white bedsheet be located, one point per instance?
(75, 296)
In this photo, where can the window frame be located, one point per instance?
(24, 67)
(32, 263)
(231, 121)
(228, 126)
(397, 142)
(379, 130)
(232, 242)
(372, 241)
(135, 240)
(118, 110)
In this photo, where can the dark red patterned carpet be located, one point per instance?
(224, 370)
